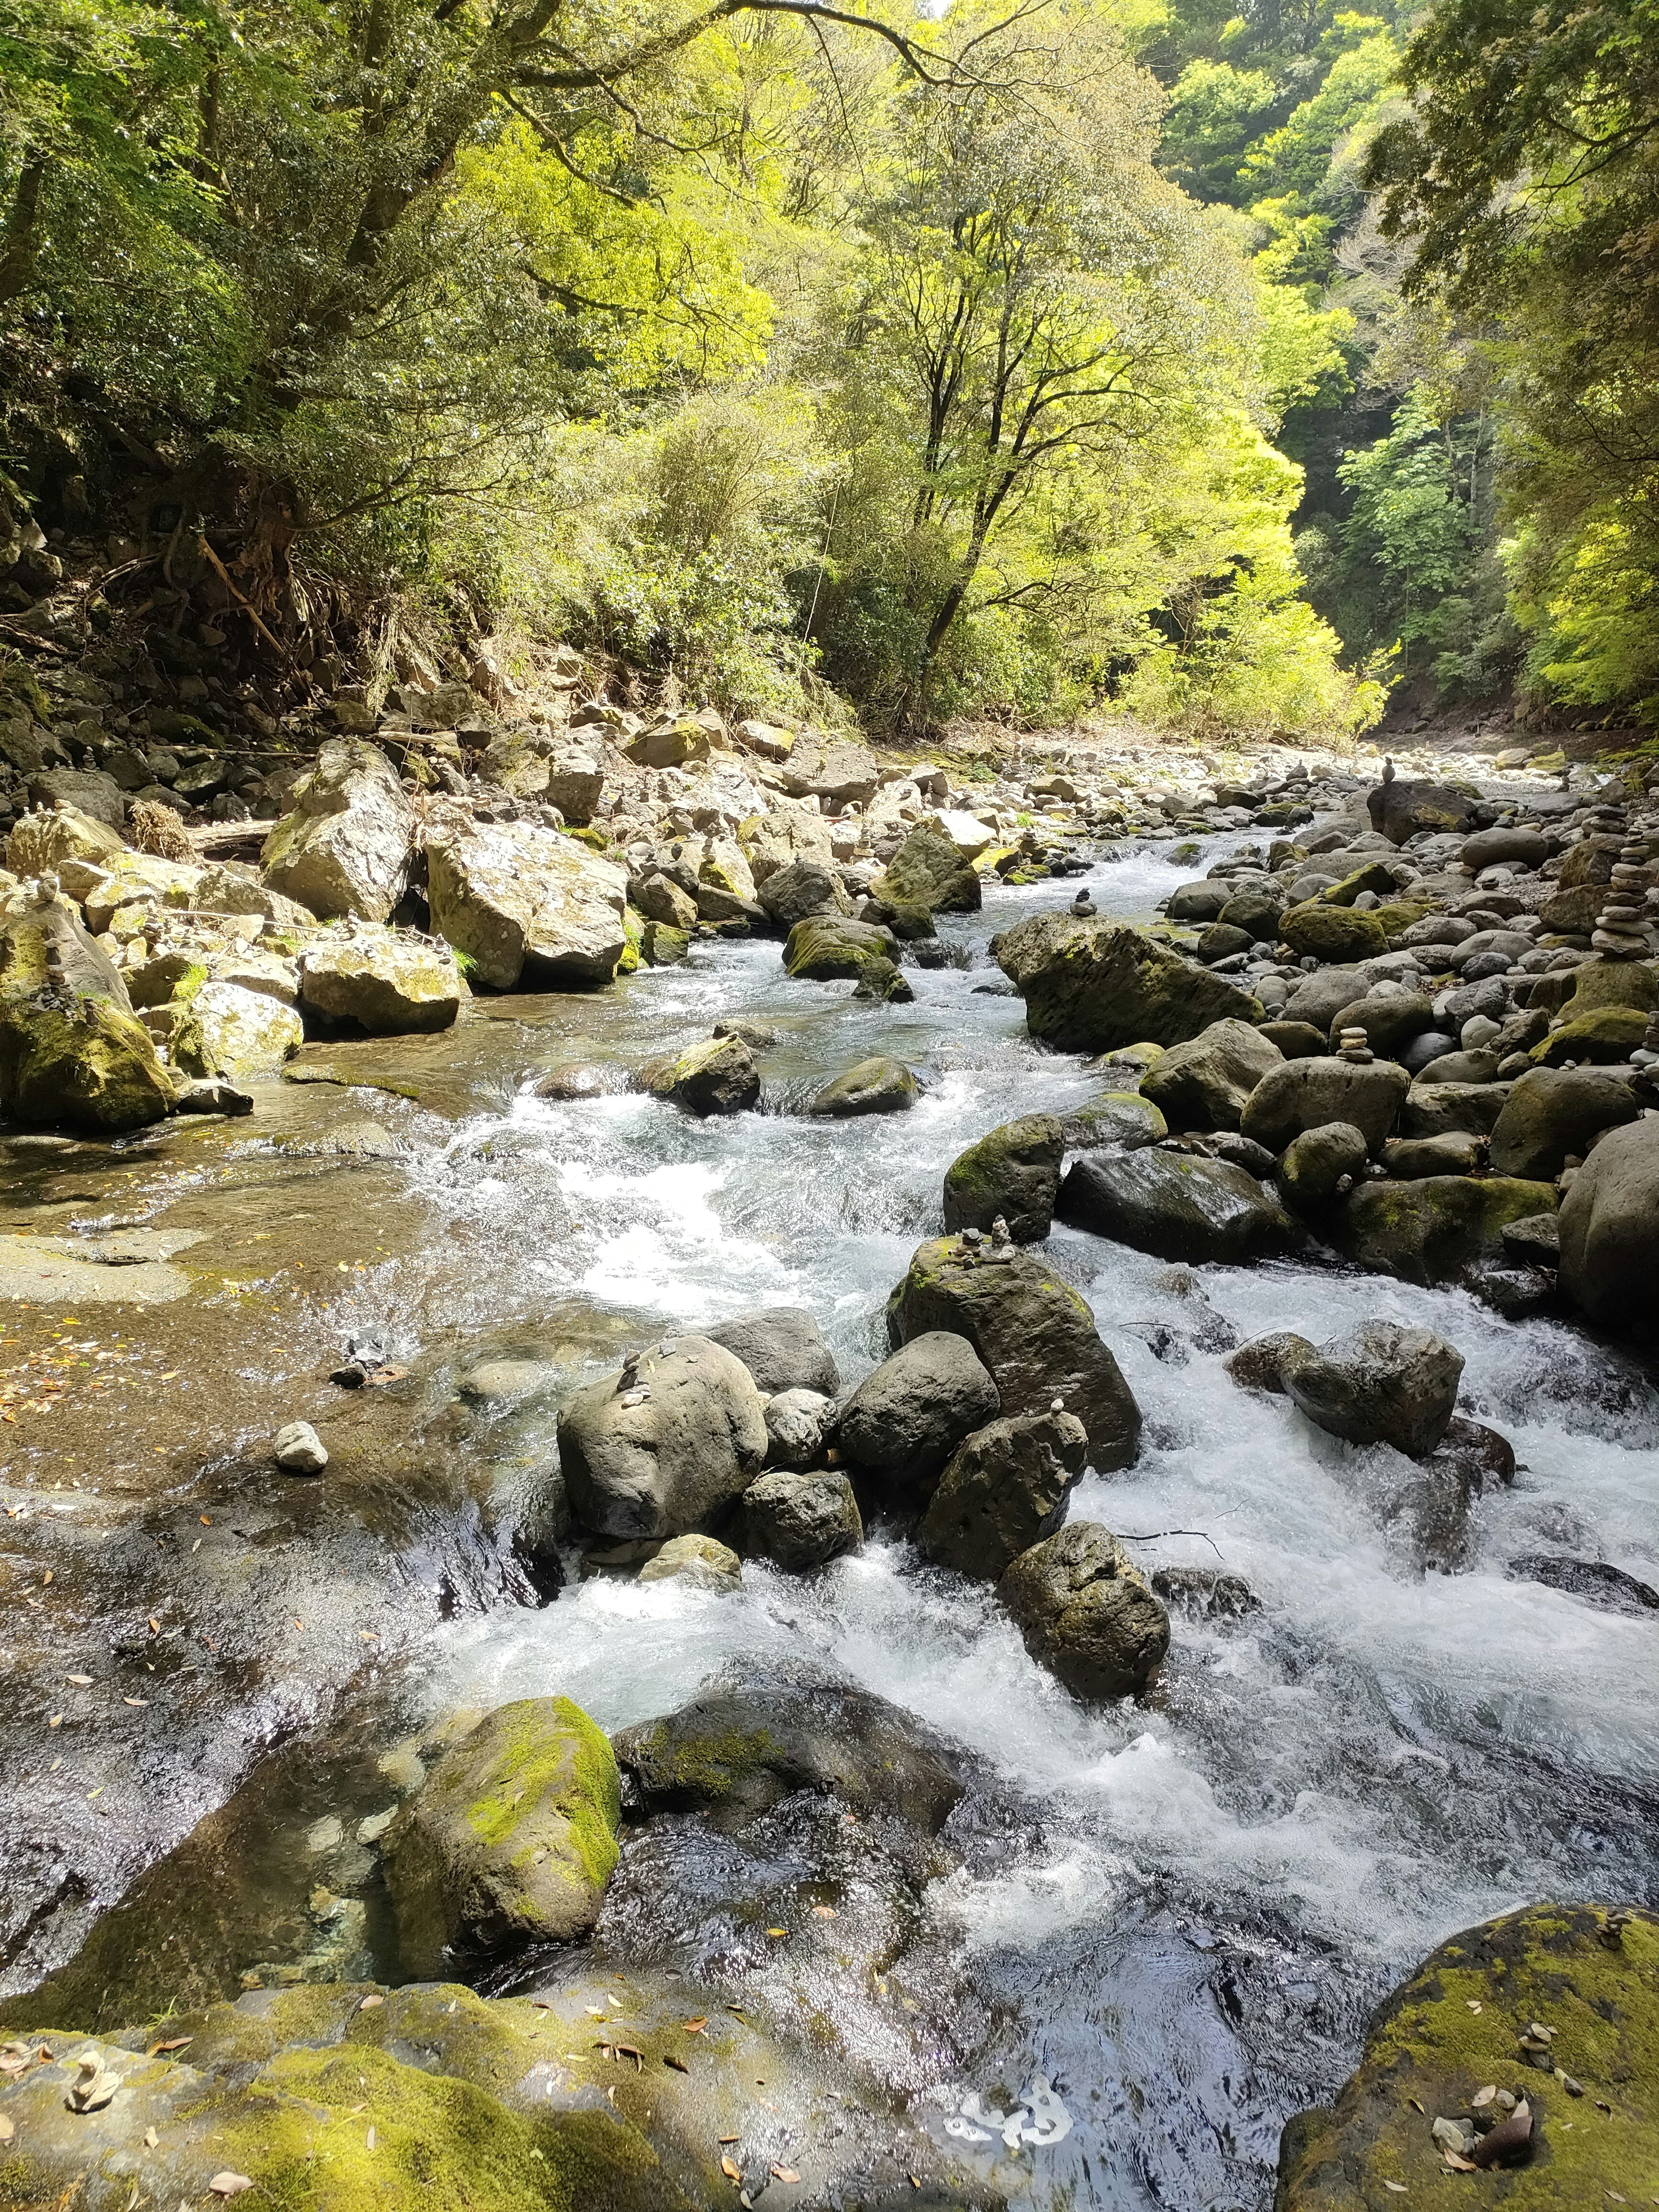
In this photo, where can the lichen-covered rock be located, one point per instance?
(1316, 931)
(1014, 1172)
(1453, 2030)
(240, 1033)
(659, 898)
(346, 848)
(1031, 1330)
(801, 1520)
(828, 948)
(71, 1052)
(699, 1562)
(1094, 986)
(1605, 1033)
(1307, 1094)
(1115, 1118)
(1551, 1112)
(671, 1441)
(1177, 1205)
(718, 1076)
(904, 1421)
(1205, 1083)
(928, 871)
(1610, 1230)
(393, 986)
(1433, 1230)
(836, 769)
(526, 904)
(1086, 1612)
(511, 1839)
(1381, 1383)
(874, 1086)
(1003, 1489)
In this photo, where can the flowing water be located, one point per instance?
(1209, 1890)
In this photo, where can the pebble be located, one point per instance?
(300, 1449)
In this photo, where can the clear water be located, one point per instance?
(1222, 1882)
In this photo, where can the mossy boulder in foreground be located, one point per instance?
(72, 1051)
(513, 1837)
(1587, 1975)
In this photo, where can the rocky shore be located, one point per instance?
(1403, 1029)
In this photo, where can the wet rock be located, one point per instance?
(1308, 1094)
(782, 1348)
(904, 1421)
(1316, 931)
(699, 1562)
(672, 1441)
(212, 1095)
(1408, 1160)
(1003, 1489)
(1205, 1593)
(1264, 1363)
(71, 1052)
(1121, 1118)
(500, 1382)
(718, 1076)
(874, 1086)
(511, 1839)
(1610, 1230)
(1014, 1173)
(880, 981)
(1205, 1083)
(582, 1079)
(1534, 1240)
(1450, 2031)
(391, 986)
(829, 948)
(1094, 986)
(796, 1422)
(1608, 1588)
(347, 847)
(1086, 1613)
(1399, 806)
(1434, 1231)
(801, 1521)
(1382, 1384)
(1176, 1205)
(1316, 1164)
(299, 1448)
(1032, 1331)
(1486, 1459)
(661, 946)
(927, 871)
(1552, 1112)
(801, 889)
(734, 1753)
(518, 900)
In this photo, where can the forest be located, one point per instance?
(1236, 371)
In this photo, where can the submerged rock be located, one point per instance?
(511, 1839)
(1266, 1363)
(671, 1441)
(718, 1076)
(1381, 1383)
(1032, 1331)
(1003, 1489)
(1086, 1612)
(1014, 1173)
(1594, 1580)
(874, 1086)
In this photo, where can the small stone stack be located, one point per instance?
(1621, 930)
(1355, 1045)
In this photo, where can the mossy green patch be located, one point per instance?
(1606, 1034)
(704, 1768)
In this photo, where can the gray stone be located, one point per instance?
(1116, 1118)
(1206, 1082)
(1004, 1488)
(1551, 1112)
(795, 1424)
(670, 1443)
(523, 901)
(1315, 1163)
(698, 1561)
(1177, 1205)
(347, 847)
(1086, 1613)
(905, 1419)
(1307, 1094)
(928, 871)
(802, 888)
(300, 1449)
(1435, 1229)
(874, 1086)
(1096, 986)
(1382, 1384)
(782, 1348)
(1454, 1153)
(1013, 1173)
(86, 790)
(1610, 1231)
(801, 1521)
(659, 898)
(1438, 1109)
(1264, 1363)
(1390, 1019)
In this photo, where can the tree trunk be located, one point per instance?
(17, 251)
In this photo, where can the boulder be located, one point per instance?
(830, 948)
(237, 1032)
(1474, 1066)
(1013, 1172)
(525, 905)
(1086, 1613)
(836, 769)
(1177, 1205)
(391, 986)
(1316, 931)
(347, 847)
(1221, 941)
(928, 871)
(718, 1076)
(661, 899)
(699, 1562)
(1115, 1118)
(1433, 1230)
(904, 1421)
(1440, 1110)
(881, 983)
(1032, 1331)
(1004, 1488)
(1606, 1033)
(1318, 998)
(662, 946)
(801, 1521)
(72, 1051)
(1600, 983)
(1255, 913)
(1198, 902)
(1390, 1019)
(796, 1424)
(1205, 1083)
(63, 839)
(1408, 1160)
(1381, 1383)
(1315, 1164)
(1266, 1363)
(874, 1086)
(229, 887)
(86, 790)
(1400, 806)
(575, 783)
(1438, 2043)
(671, 1442)
(1610, 1230)
(782, 1348)
(1307, 1094)
(1096, 985)
(1552, 1112)
(511, 1839)
(800, 888)
(1296, 1040)
(1531, 848)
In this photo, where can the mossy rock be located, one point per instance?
(1331, 933)
(1609, 983)
(80, 1063)
(1096, 985)
(928, 871)
(634, 929)
(715, 1076)
(1432, 1231)
(1609, 1033)
(1117, 1117)
(1375, 876)
(1014, 1172)
(827, 948)
(661, 945)
(1455, 2028)
(512, 1838)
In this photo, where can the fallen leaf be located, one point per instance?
(679, 2064)
(695, 2026)
(783, 2173)
(369, 2145)
(229, 2185)
(150, 2138)
(777, 1931)
(1474, 2005)
(1416, 2107)
(369, 2003)
(1482, 2096)
(135, 1701)
(826, 1912)
(81, 1681)
(729, 2168)
(1459, 2165)
(728, 2139)
(7, 2130)
(177, 2043)
(205, 1523)
(57, 1721)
